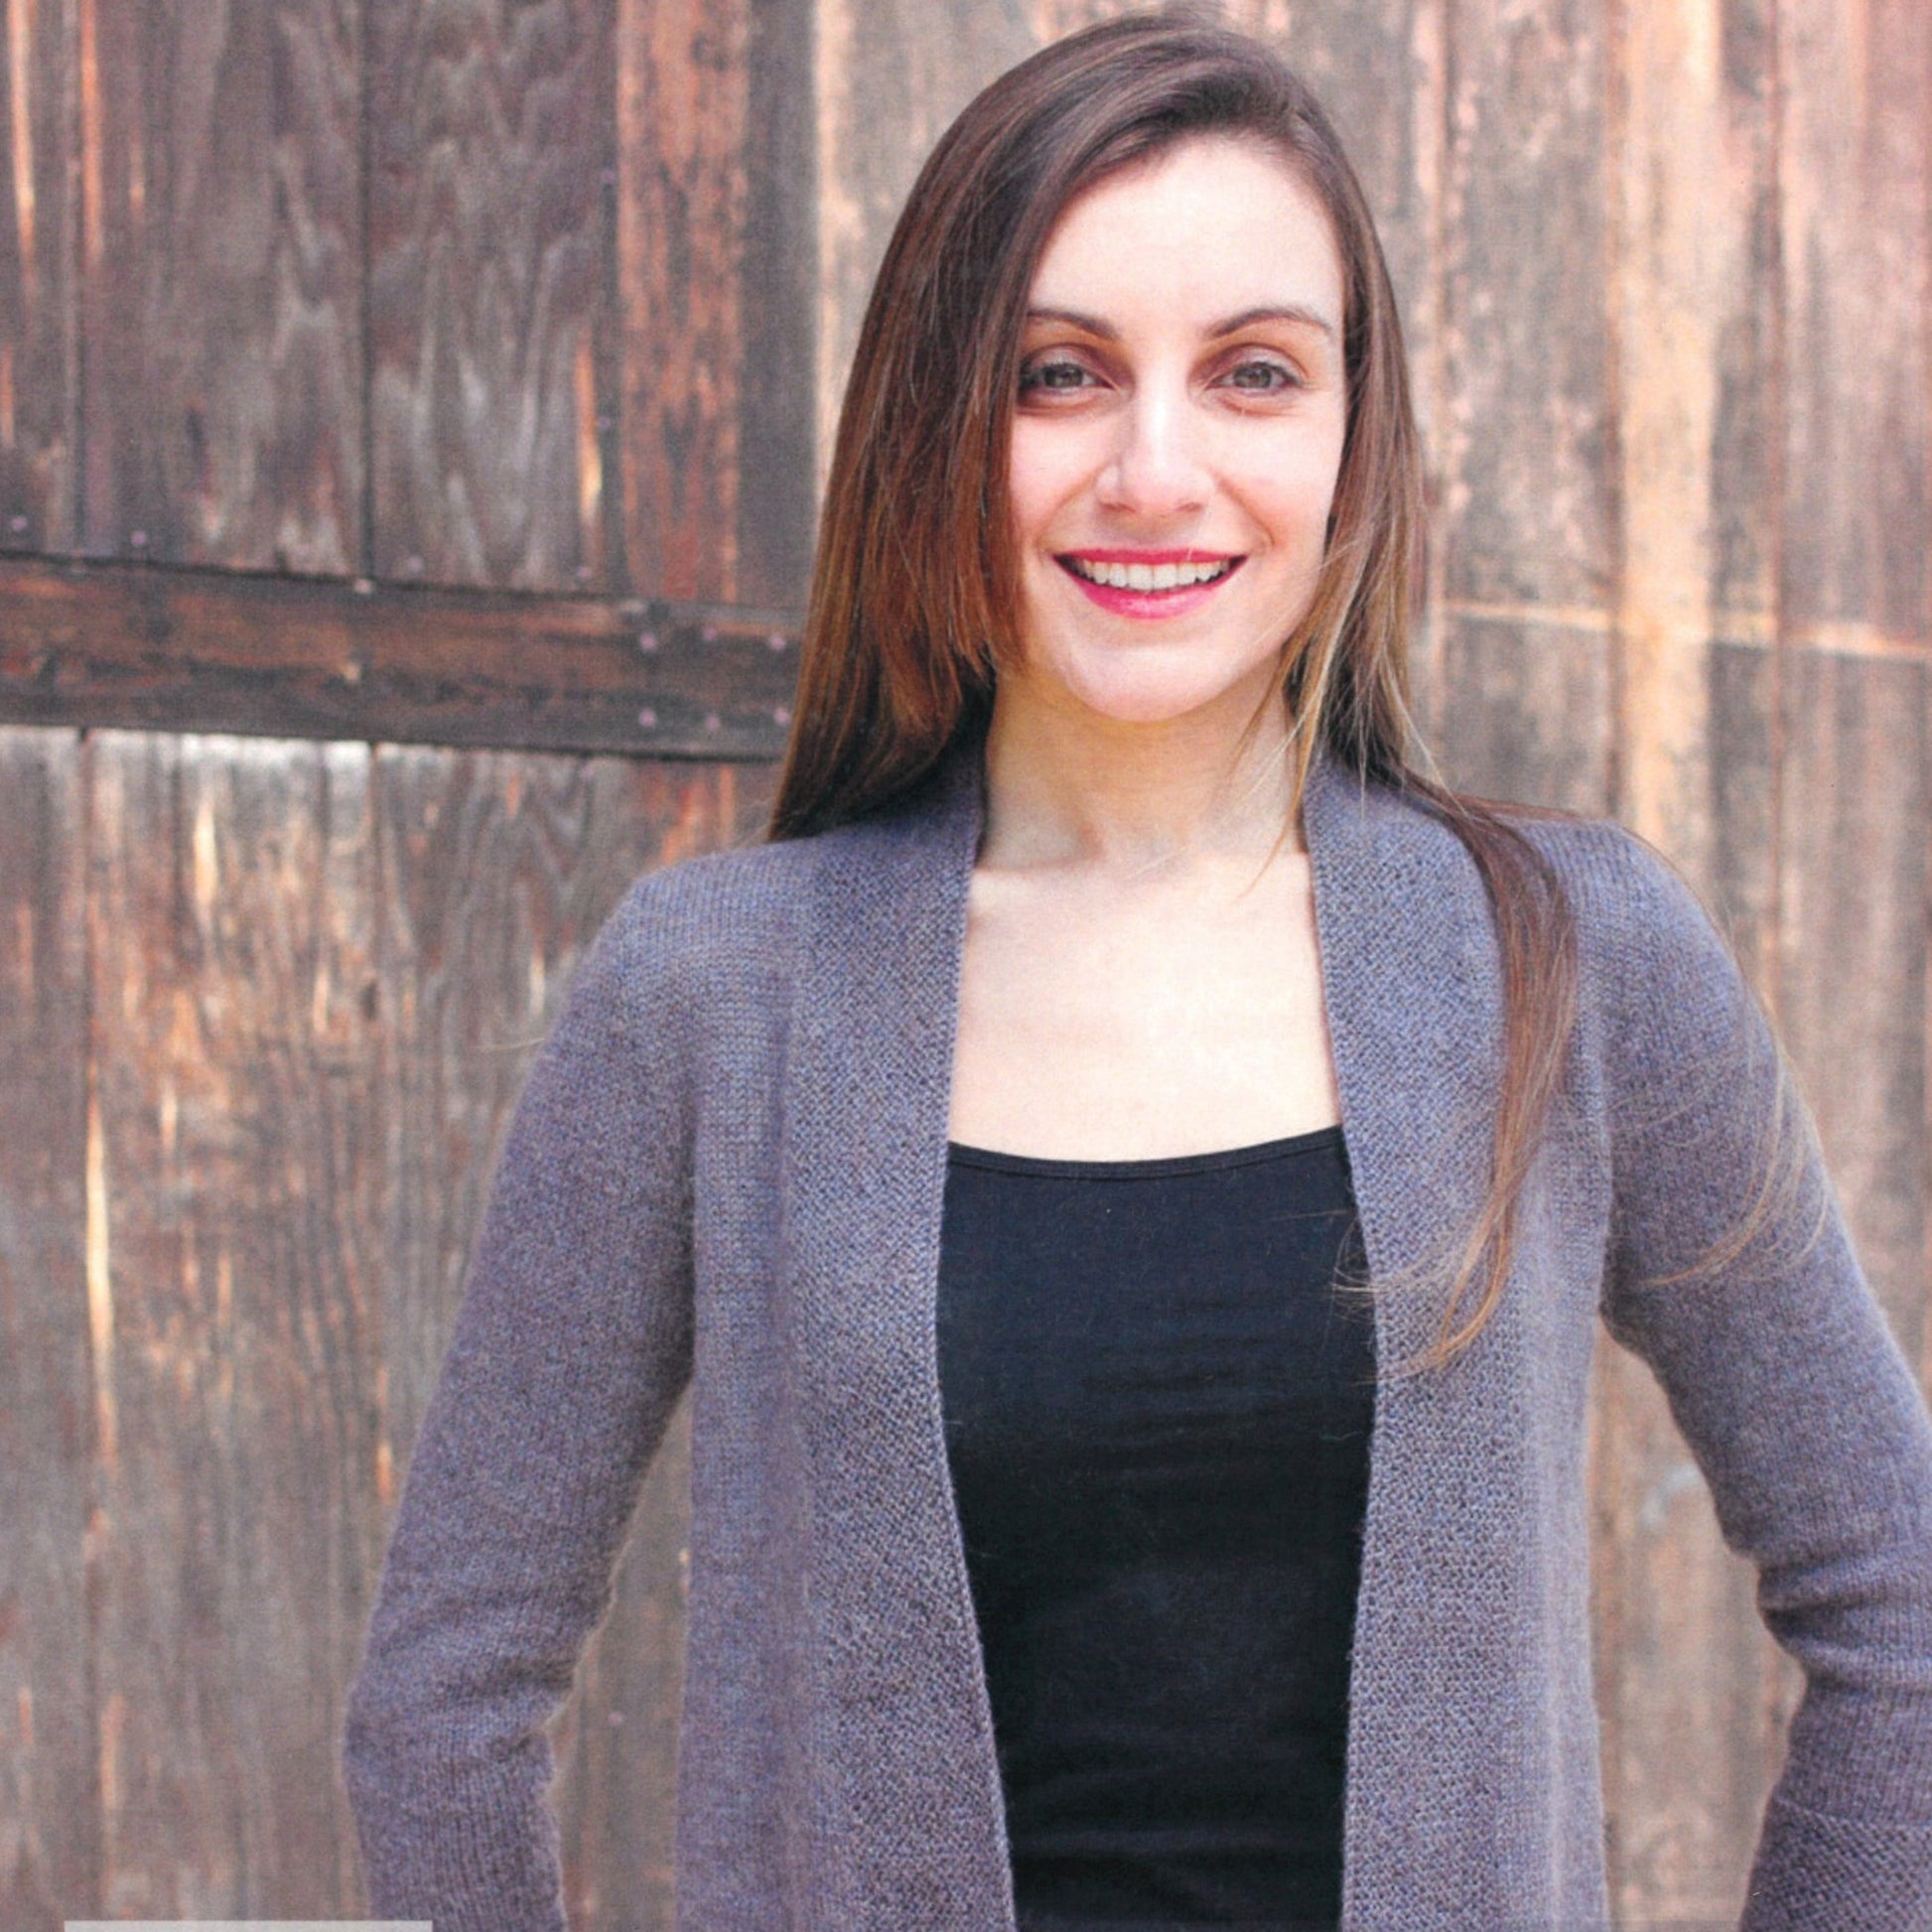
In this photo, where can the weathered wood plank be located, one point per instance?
(1525, 705)
(1528, 507)
(889, 78)
(220, 285)
(1857, 798)
(778, 477)
(49, 1798)
(1688, 1753)
(39, 389)
(683, 86)
(186, 650)
(235, 1286)
(496, 872)
(1857, 119)
(492, 346)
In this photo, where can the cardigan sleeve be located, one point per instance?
(571, 1345)
(1787, 1383)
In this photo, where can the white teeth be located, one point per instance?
(1150, 576)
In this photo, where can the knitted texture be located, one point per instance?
(727, 1169)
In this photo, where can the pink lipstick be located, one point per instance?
(1149, 583)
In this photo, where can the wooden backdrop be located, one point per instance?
(410, 413)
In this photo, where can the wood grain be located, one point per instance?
(1528, 506)
(213, 650)
(490, 343)
(683, 88)
(1858, 121)
(219, 282)
(50, 1848)
(1525, 705)
(231, 922)
(38, 373)
(889, 78)
(497, 873)
(1688, 1747)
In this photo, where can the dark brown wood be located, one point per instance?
(185, 650)
(39, 393)
(219, 282)
(491, 196)
(777, 475)
(49, 1843)
(496, 872)
(231, 924)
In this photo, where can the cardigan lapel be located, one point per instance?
(906, 1820)
(1413, 998)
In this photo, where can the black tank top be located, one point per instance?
(1158, 1412)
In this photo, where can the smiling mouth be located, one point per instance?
(1149, 578)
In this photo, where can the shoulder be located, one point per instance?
(701, 926)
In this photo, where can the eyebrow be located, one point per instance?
(1289, 312)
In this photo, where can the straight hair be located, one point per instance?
(914, 600)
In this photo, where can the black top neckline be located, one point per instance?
(998, 1162)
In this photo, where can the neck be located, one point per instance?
(1065, 785)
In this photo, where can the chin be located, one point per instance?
(1154, 694)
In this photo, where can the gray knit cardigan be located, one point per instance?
(726, 1168)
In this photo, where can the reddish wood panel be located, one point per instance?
(496, 872)
(50, 1848)
(683, 88)
(221, 282)
(237, 1289)
(491, 337)
(39, 396)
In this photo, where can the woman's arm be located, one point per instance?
(1793, 1395)
(571, 1346)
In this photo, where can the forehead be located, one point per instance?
(1216, 223)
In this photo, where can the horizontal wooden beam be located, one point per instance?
(197, 651)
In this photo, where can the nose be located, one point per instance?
(1157, 467)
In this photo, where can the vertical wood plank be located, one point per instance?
(717, 265)
(229, 919)
(683, 84)
(496, 872)
(220, 285)
(1859, 482)
(777, 479)
(889, 78)
(1692, 307)
(39, 397)
(491, 197)
(50, 1816)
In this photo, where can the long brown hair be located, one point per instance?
(913, 603)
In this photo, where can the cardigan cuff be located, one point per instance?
(1814, 1873)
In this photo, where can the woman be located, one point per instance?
(998, 1152)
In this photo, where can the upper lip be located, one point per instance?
(1153, 556)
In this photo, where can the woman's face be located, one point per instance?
(1176, 435)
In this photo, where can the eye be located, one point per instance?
(1054, 375)
(1262, 376)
